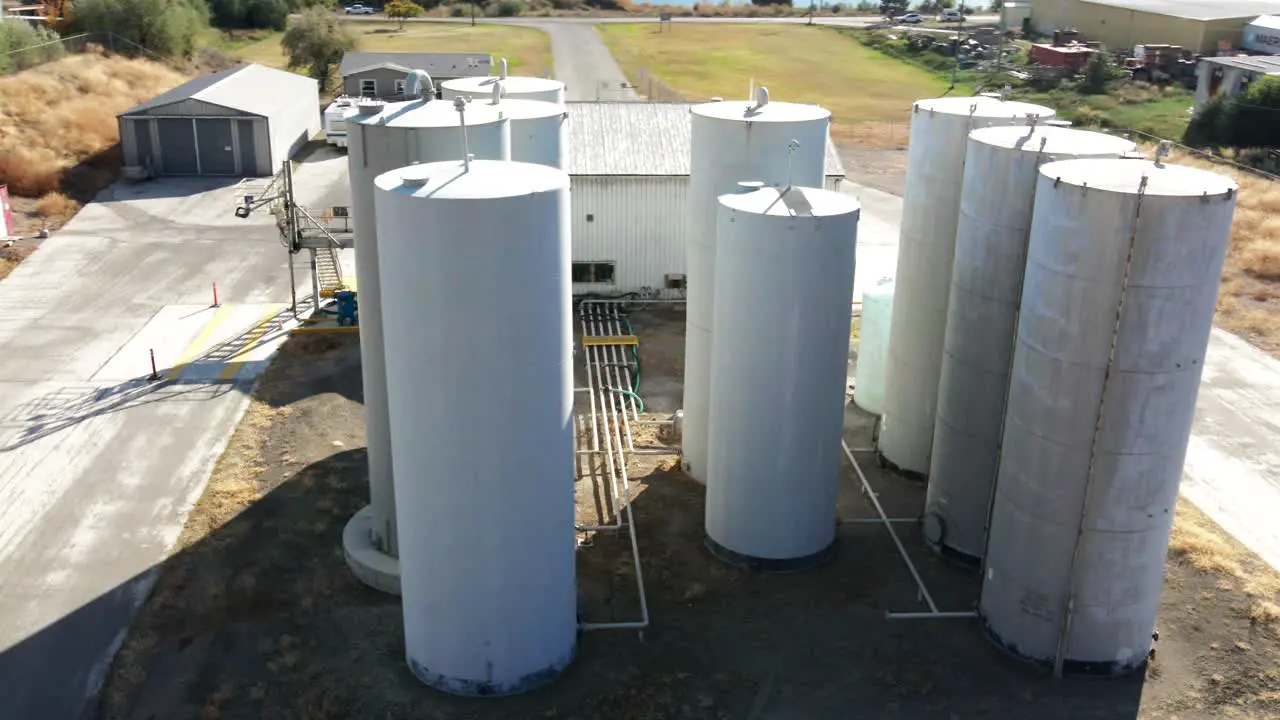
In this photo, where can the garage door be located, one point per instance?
(217, 154)
(177, 146)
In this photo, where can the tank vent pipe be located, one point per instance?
(502, 69)
(791, 156)
(460, 104)
(762, 97)
(1162, 151)
(1004, 92)
(497, 93)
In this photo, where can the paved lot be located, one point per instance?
(99, 464)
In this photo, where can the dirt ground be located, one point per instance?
(257, 616)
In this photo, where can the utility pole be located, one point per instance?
(473, 13)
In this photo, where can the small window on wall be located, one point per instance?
(400, 87)
(369, 88)
(593, 272)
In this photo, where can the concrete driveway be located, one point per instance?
(99, 464)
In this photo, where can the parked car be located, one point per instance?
(359, 9)
(909, 18)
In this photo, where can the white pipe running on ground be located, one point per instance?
(934, 613)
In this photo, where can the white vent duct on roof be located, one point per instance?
(382, 137)
(930, 210)
(773, 452)
(418, 84)
(1122, 282)
(491, 611)
(733, 141)
(986, 287)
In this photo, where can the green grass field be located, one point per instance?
(798, 63)
(527, 51)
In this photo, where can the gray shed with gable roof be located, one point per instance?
(243, 122)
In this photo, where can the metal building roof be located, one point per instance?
(1195, 9)
(1267, 64)
(639, 138)
(442, 64)
(250, 89)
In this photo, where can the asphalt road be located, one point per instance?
(99, 465)
(833, 20)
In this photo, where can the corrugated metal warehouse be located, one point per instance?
(629, 167)
(1197, 25)
(241, 122)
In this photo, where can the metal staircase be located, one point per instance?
(329, 269)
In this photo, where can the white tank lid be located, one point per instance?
(750, 110)
(522, 109)
(983, 107)
(430, 114)
(1125, 176)
(791, 202)
(512, 84)
(484, 179)
(1056, 140)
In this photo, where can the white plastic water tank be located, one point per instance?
(476, 267)
(873, 347)
(515, 87)
(1119, 298)
(778, 370)
(537, 129)
(986, 286)
(922, 284)
(734, 141)
(382, 136)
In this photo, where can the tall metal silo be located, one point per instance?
(922, 284)
(1118, 302)
(380, 137)
(986, 286)
(537, 129)
(776, 143)
(515, 87)
(873, 347)
(778, 372)
(476, 267)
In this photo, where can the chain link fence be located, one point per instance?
(36, 55)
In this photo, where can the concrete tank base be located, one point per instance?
(371, 566)
(778, 566)
(477, 688)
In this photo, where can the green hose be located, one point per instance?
(637, 398)
(635, 353)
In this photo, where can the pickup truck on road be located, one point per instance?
(359, 9)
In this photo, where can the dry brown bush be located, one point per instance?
(61, 113)
(55, 205)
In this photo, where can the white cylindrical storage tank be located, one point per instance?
(381, 137)
(537, 130)
(515, 87)
(873, 347)
(733, 141)
(778, 372)
(476, 264)
(986, 286)
(1120, 291)
(922, 284)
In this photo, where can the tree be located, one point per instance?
(892, 8)
(1098, 72)
(403, 10)
(316, 40)
(767, 3)
(165, 27)
(1244, 120)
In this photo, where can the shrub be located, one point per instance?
(166, 27)
(316, 40)
(23, 46)
(505, 8)
(1089, 117)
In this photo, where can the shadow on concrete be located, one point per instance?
(260, 617)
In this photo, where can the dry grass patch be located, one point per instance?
(63, 113)
(1249, 301)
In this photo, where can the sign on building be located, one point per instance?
(1263, 35)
